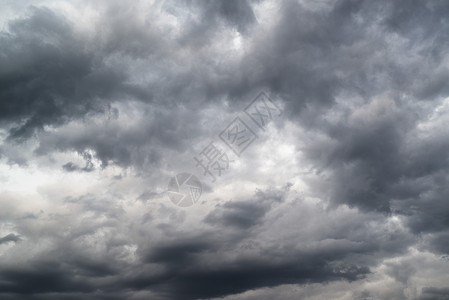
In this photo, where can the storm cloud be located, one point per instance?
(342, 196)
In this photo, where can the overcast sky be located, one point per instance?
(331, 184)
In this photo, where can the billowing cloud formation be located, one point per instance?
(344, 196)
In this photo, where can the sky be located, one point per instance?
(252, 149)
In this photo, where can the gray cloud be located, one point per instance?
(96, 115)
(435, 293)
(245, 214)
(10, 238)
(46, 76)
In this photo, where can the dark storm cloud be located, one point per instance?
(141, 143)
(70, 267)
(9, 238)
(40, 278)
(71, 167)
(434, 293)
(48, 76)
(302, 55)
(429, 210)
(363, 75)
(245, 214)
(211, 262)
(374, 152)
(51, 76)
(49, 278)
(236, 13)
(311, 58)
(230, 259)
(191, 274)
(239, 214)
(423, 24)
(250, 273)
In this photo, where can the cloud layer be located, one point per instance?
(343, 196)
